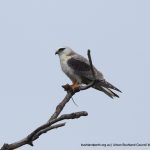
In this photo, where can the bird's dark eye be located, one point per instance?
(61, 49)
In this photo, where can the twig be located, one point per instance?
(74, 102)
(91, 64)
(93, 73)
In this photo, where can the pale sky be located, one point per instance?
(118, 34)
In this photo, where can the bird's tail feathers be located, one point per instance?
(108, 85)
(109, 92)
(106, 90)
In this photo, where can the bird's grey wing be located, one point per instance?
(81, 67)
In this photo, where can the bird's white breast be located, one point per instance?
(68, 70)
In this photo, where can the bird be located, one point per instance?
(78, 69)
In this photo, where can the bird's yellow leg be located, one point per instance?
(75, 85)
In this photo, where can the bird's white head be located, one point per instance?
(65, 51)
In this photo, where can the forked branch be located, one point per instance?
(51, 123)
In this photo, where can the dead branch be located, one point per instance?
(50, 124)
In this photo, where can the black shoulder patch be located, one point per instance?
(78, 65)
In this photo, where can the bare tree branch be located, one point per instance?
(48, 129)
(50, 124)
(24, 141)
(43, 129)
(61, 105)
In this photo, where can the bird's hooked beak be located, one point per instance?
(56, 52)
